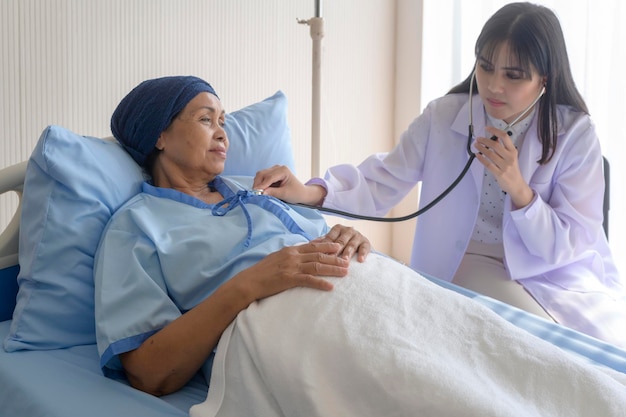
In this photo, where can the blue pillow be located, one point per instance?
(259, 137)
(73, 185)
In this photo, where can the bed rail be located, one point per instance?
(11, 179)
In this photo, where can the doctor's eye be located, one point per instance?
(486, 67)
(516, 75)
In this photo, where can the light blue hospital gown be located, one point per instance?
(164, 252)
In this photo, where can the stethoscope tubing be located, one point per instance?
(419, 212)
(451, 187)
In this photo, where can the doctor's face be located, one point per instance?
(505, 88)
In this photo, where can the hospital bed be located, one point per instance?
(70, 186)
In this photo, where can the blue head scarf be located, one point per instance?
(148, 110)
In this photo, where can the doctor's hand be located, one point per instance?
(500, 157)
(351, 241)
(278, 181)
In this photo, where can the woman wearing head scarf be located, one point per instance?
(180, 260)
(524, 225)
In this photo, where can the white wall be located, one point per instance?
(69, 62)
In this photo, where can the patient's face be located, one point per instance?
(195, 143)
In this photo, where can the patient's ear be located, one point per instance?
(160, 144)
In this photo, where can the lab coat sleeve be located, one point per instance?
(383, 179)
(563, 223)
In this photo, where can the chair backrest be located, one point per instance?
(607, 196)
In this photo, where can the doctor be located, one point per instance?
(525, 225)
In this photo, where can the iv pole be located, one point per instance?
(316, 25)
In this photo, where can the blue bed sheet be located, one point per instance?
(585, 347)
(69, 383)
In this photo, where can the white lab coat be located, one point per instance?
(555, 247)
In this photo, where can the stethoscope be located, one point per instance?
(472, 156)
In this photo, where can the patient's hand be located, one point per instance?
(351, 240)
(169, 358)
(307, 265)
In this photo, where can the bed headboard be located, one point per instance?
(11, 180)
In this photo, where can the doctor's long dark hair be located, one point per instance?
(534, 36)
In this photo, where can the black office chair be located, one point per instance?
(607, 196)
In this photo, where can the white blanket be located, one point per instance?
(387, 342)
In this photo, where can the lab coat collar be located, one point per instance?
(531, 149)
(461, 126)
(461, 122)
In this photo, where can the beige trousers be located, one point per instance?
(482, 270)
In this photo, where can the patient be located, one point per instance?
(179, 261)
(192, 274)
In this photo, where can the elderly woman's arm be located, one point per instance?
(169, 358)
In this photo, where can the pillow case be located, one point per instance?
(73, 185)
(259, 137)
